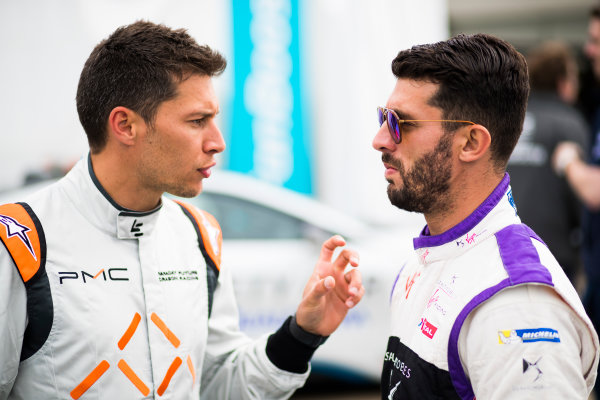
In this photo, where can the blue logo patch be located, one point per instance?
(511, 200)
(528, 336)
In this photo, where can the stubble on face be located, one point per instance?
(159, 169)
(425, 187)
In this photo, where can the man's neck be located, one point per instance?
(466, 194)
(118, 179)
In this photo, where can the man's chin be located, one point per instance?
(400, 200)
(187, 192)
(394, 185)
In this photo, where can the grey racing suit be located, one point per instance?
(114, 304)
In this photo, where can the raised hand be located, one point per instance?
(330, 291)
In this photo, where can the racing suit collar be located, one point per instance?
(497, 209)
(130, 224)
(97, 207)
(110, 199)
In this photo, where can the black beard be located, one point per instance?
(425, 187)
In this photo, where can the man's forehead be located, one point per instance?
(410, 95)
(196, 91)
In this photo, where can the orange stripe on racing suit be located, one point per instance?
(191, 368)
(130, 331)
(203, 219)
(90, 379)
(132, 376)
(165, 330)
(170, 372)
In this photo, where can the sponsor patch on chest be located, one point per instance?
(427, 328)
(167, 276)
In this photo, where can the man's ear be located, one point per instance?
(475, 141)
(124, 125)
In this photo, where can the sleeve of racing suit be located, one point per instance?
(236, 367)
(526, 342)
(13, 320)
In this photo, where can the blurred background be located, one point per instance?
(297, 98)
(298, 106)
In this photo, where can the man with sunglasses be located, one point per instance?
(481, 308)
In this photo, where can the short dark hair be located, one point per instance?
(549, 63)
(138, 67)
(595, 11)
(481, 78)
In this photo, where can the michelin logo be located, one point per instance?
(528, 336)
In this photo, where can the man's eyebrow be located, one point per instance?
(203, 114)
(402, 115)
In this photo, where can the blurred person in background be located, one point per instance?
(584, 177)
(108, 289)
(546, 203)
(481, 308)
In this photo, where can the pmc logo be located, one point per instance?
(111, 274)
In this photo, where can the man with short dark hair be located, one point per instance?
(546, 202)
(481, 308)
(108, 289)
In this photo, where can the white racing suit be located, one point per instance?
(484, 310)
(98, 302)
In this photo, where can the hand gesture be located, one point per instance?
(330, 292)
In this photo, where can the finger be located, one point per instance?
(353, 278)
(321, 288)
(354, 300)
(346, 256)
(329, 247)
(355, 287)
(354, 281)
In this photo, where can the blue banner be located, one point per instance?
(268, 137)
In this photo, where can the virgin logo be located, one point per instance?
(410, 281)
(427, 328)
(434, 298)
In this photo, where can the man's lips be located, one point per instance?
(389, 166)
(389, 170)
(206, 170)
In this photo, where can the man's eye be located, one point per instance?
(199, 122)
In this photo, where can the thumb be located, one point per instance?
(321, 288)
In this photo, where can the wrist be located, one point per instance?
(307, 338)
(292, 351)
(569, 167)
(564, 158)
